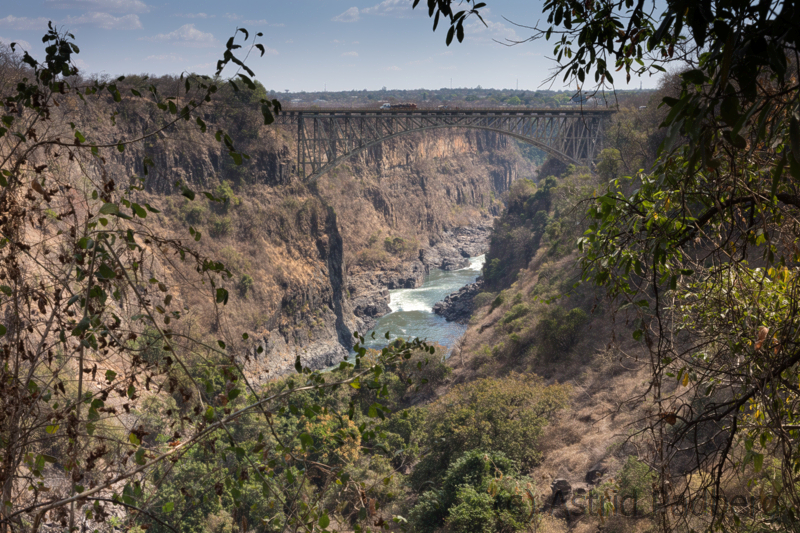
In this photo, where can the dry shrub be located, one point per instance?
(550, 524)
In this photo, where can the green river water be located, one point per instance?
(412, 314)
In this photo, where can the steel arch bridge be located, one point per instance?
(328, 137)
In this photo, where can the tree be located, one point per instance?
(481, 491)
(703, 245)
(90, 328)
(505, 415)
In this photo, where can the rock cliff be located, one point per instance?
(312, 264)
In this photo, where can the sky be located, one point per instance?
(311, 45)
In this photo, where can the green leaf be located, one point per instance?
(324, 521)
(758, 462)
(82, 326)
(794, 135)
(139, 458)
(187, 192)
(694, 76)
(5, 289)
(306, 440)
(222, 296)
(109, 209)
(3, 330)
(269, 118)
(168, 507)
(105, 272)
(730, 110)
(139, 210)
(735, 139)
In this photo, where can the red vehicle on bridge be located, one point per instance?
(399, 106)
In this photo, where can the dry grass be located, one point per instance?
(591, 432)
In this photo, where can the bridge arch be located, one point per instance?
(327, 138)
(330, 165)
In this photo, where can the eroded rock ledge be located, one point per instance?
(458, 306)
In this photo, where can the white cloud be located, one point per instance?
(261, 22)
(270, 51)
(492, 31)
(264, 22)
(351, 15)
(164, 57)
(99, 20)
(186, 35)
(390, 7)
(21, 45)
(110, 6)
(290, 41)
(202, 66)
(105, 21)
(350, 54)
(420, 61)
(393, 67)
(195, 15)
(24, 23)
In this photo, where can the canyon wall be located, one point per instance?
(312, 263)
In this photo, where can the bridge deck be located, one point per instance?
(586, 111)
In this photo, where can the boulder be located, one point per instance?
(594, 475)
(458, 306)
(454, 263)
(561, 490)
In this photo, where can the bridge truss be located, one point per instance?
(327, 137)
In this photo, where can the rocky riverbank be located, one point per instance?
(458, 306)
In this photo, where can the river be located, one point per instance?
(412, 314)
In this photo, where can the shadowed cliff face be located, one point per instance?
(299, 255)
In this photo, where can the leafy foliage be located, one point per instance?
(108, 400)
(481, 491)
(504, 415)
(706, 239)
(560, 329)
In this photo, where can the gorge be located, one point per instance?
(313, 264)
